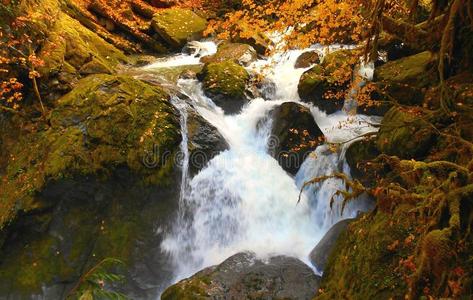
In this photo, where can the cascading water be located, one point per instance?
(243, 200)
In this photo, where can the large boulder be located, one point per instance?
(177, 26)
(241, 54)
(405, 134)
(405, 80)
(320, 254)
(205, 141)
(324, 85)
(225, 83)
(97, 183)
(296, 135)
(244, 276)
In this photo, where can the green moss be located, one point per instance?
(105, 122)
(312, 81)
(26, 269)
(72, 48)
(333, 61)
(188, 290)
(405, 79)
(177, 26)
(416, 70)
(225, 78)
(404, 134)
(362, 266)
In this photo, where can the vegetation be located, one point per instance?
(92, 285)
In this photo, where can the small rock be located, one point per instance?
(307, 59)
(205, 142)
(319, 86)
(241, 54)
(320, 254)
(358, 152)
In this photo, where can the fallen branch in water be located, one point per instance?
(357, 189)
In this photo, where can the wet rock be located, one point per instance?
(321, 87)
(294, 135)
(244, 276)
(404, 80)
(225, 83)
(241, 54)
(320, 254)
(177, 26)
(307, 59)
(358, 153)
(205, 142)
(405, 135)
(97, 185)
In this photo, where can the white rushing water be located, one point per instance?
(243, 200)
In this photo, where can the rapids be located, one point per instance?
(243, 200)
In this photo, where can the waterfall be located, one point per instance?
(243, 200)
(182, 106)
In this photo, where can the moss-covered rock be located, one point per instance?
(92, 185)
(296, 133)
(225, 83)
(404, 80)
(358, 153)
(365, 261)
(242, 54)
(71, 51)
(178, 26)
(244, 276)
(405, 134)
(324, 85)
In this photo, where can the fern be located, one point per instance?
(95, 283)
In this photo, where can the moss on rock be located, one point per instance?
(225, 83)
(362, 266)
(358, 153)
(177, 26)
(405, 134)
(404, 80)
(242, 54)
(324, 85)
(72, 48)
(105, 122)
(89, 177)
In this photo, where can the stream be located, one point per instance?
(242, 200)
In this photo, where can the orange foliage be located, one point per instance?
(19, 38)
